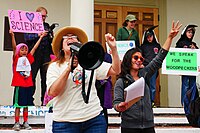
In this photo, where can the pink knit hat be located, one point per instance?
(19, 46)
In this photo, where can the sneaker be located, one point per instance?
(153, 105)
(26, 126)
(17, 126)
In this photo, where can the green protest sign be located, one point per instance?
(182, 61)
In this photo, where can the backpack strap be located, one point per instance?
(126, 83)
(130, 35)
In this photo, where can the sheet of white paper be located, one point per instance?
(135, 90)
(23, 64)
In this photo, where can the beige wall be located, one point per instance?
(58, 11)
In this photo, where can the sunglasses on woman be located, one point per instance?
(136, 57)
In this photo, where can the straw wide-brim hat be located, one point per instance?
(56, 43)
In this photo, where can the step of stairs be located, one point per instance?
(158, 130)
(166, 120)
(162, 116)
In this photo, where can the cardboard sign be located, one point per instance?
(122, 47)
(25, 22)
(182, 61)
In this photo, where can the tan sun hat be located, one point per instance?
(56, 43)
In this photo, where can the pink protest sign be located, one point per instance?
(25, 22)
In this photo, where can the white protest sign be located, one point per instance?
(122, 47)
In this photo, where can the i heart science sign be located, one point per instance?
(25, 22)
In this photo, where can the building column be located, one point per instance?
(82, 16)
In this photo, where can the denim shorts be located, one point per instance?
(94, 125)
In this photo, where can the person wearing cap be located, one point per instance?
(188, 87)
(128, 32)
(150, 48)
(71, 114)
(22, 80)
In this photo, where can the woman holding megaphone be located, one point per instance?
(71, 112)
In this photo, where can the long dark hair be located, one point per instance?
(125, 23)
(127, 61)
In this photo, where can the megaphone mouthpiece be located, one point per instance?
(75, 47)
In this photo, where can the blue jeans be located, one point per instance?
(94, 125)
(188, 82)
(152, 86)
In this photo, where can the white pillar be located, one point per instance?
(82, 16)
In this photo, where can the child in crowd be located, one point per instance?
(22, 80)
(150, 48)
(189, 93)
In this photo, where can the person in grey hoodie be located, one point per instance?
(138, 117)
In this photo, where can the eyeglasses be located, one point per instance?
(136, 57)
(44, 16)
(69, 37)
(134, 21)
